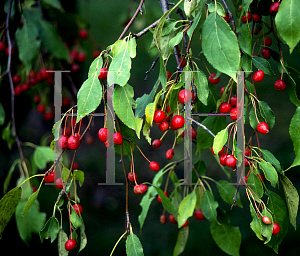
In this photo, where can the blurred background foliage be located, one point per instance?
(104, 206)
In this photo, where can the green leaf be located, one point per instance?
(220, 45)
(149, 196)
(83, 238)
(289, 28)
(42, 155)
(62, 239)
(28, 43)
(166, 202)
(202, 86)
(267, 229)
(189, 6)
(158, 32)
(149, 112)
(8, 205)
(209, 206)
(227, 193)
(9, 174)
(2, 114)
(255, 223)
(246, 4)
(245, 39)
(79, 175)
(182, 238)
(219, 8)
(50, 230)
(134, 246)
(255, 184)
(75, 219)
(228, 238)
(294, 131)
(270, 172)
(120, 65)
(220, 140)
(95, 67)
(30, 202)
(262, 64)
(214, 124)
(197, 18)
(123, 108)
(280, 215)
(186, 208)
(53, 3)
(252, 118)
(51, 42)
(143, 101)
(247, 65)
(129, 45)
(30, 223)
(89, 95)
(269, 157)
(267, 113)
(292, 198)
(175, 40)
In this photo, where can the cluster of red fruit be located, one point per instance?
(5, 48)
(276, 228)
(72, 142)
(104, 136)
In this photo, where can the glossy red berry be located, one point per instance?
(43, 72)
(16, 79)
(118, 139)
(244, 181)
(136, 189)
(59, 183)
(223, 159)
(225, 107)
(226, 18)
(163, 219)
(40, 108)
(81, 57)
(37, 98)
(246, 162)
(103, 134)
(103, 74)
(261, 177)
(212, 79)
(70, 245)
(198, 215)
(63, 142)
(258, 76)
(256, 18)
(274, 7)
(185, 224)
(2, 46)
(132, 176)
(156, 143)
(169, 75)
(219, 153)
(266, 53)
(230, 161)
(263, 128)
(140, 189)
(266, 220)
(267, 41)
(184, 96)
(75, 68)
(159, 199)
(276, 228)
(233, 113)
(177, 122)
(83, 34)
(183, 63)
(108, 143)
(18, 90)
(172, 219)
(222, 90)
(164, 126)
(154, 166)
(247, 152)
(159, 116)
(73, 142)
(50, 177)
(49, 115)
(280, 85)
(248, 18)
(170, 154)
(77, 208)
(233, 101)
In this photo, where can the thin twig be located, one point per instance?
(230, 16)
(151, 68)
(132, 19)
